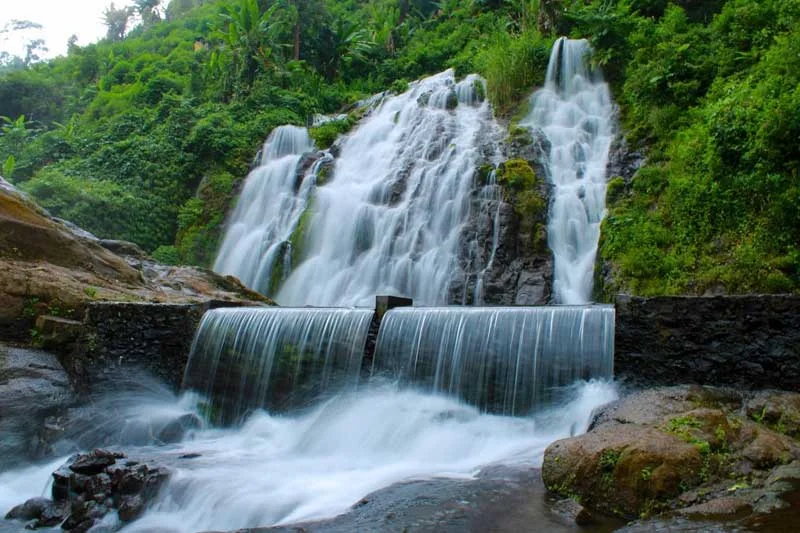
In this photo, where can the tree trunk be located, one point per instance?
(403, 11)
(297, 42)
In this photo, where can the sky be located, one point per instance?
(60, 19)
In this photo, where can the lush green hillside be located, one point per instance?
(143, 137)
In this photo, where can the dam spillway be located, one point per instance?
(503, 360)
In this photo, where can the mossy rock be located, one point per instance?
(484, 174)
(300, 234)
(325, 134)
(325, 173)
(616, 189)
(516, 175)
(519, 136)
(277, 274)
(480, 90)
(452, 101)
(622, 469)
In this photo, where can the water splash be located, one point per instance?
(508, 360)
(575, 113)
(267, 211)
(283, 470)
(390, 219)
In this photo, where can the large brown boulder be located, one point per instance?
(718, 450)
(622, 468)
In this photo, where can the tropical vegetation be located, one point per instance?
(144, 135)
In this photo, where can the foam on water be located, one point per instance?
(281, 470)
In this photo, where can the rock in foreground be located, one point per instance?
(709, 452)
(90, 486)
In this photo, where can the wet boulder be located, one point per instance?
(692, 451)
(42, 511)
(618, 468)
(90, 486)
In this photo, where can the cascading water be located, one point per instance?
(508, 360)
(249, 358)
(492, 193)
(267, 212)
(435, 398)
(575, 113)
(389, 221)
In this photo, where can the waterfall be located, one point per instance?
(389, 220)
(575, 113)
(249, 358)
(508, 360)
(491, 192)
(268, 210)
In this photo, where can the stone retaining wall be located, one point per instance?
(750, 341)
(155, 337)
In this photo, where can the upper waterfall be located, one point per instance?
(390, 219)
(574, 111)
(267, 211)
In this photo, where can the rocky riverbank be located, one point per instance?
(52, 268)
(689, 451)
(89, 488)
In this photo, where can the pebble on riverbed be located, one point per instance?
(91, 485)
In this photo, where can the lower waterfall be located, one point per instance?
(274, 357)
(506, 360)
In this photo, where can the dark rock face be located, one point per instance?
(500, 263)
(750, 341)
(622, 160)
(153, 337)
(123, 248)
(33, 386)
(91, 486)
(304, 166)
(519, 274)
(94, 462)
(44, 512)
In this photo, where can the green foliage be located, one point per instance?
(9, 165)
(200, 219)
(325, 134)
(153, 124)
(169, 255)
(713, 93)
(102, 206)
(516, 175)
(615, 190)
(512, 65)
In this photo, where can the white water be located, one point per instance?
(389, 220)
(267, 211)
(491, 192)
(281, 470)
(275, 357)
(575, 112)
(508, 360)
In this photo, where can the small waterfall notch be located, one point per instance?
(505, 360)
(249, 358)
(575, 112)
(256, 243)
